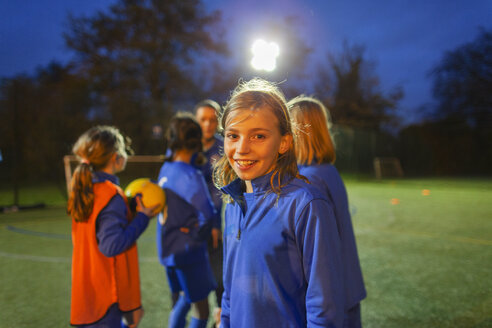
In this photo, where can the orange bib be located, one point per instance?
(99, 281)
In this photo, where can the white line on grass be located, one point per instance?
(35, 258)
(50, 259)
(57, 235)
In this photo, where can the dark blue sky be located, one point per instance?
(405, 39)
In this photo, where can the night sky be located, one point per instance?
(404, 39)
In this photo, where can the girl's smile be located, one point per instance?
(244, 164)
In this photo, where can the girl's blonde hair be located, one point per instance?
(255, 95)
(313, 140)
(94, 148)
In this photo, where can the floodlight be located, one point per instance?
(264, 55)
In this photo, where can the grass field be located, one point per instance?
(426, 256)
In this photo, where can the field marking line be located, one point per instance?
(35, 258)
(465, 240)
(55, 235)
(38, 233)
(54, 259)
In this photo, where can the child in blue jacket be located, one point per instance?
(184, 227)
(315, 155)
(206, 112)
(282, 253)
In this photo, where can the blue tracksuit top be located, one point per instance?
(188, 206)
(213, 154)
(328, 180)
(282, 260)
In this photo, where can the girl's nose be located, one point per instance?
(243, 146)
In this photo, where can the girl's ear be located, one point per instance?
(115, 157)
(112, 163)
(285, 143)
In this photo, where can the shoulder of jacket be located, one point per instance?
(310, 192)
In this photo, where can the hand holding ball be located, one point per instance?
(152, 196)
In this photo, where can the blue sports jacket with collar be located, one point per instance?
(282, 260)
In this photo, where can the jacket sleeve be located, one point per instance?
(319, 243)
(200, 198)
(115, 234)
(225, 305)
(202, 201)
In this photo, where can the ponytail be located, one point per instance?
(81, 198)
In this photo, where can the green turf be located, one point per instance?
(427, 261)
(49, 194)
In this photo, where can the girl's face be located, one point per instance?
(253, 142)
(207, 118)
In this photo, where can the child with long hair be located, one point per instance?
(315, 154)
(105, 274)
(184, 227)
(282, 261)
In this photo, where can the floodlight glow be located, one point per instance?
(264, 55)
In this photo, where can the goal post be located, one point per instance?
(70, 160)
(387, 167)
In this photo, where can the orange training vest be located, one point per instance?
(99, 281)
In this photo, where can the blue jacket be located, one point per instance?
(213, 154)
(326, 178)
(282, 265)
(188, 206)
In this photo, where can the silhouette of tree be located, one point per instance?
(351, 90)
(463, 83)
(41, 117)
(14, 97)
(141, 58)
(459, 132)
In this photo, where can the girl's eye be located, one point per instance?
(231, 136)
(259, 136)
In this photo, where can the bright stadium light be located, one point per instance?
(264, 55)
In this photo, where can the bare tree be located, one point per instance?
(350, 88)
(141, 56)
(463, 82)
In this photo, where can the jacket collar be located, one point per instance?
(260, 185)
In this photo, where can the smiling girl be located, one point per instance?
(282, 265)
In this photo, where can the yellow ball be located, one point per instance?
(151, 193)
